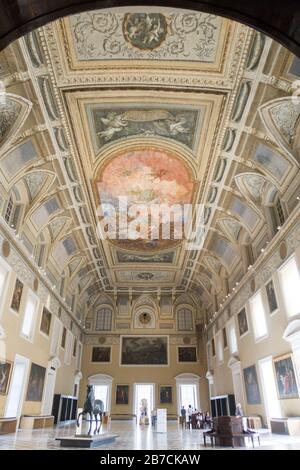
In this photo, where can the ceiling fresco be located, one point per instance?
(167, 257)
(166, 36)
(114, 123)
(149, 177)
(161, 106)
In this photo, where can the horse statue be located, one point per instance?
(94, 408)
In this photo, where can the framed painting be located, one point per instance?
(187, 354)
(213, 347)
(225, 343)
(144, 351)
(271, 296)
(122, 394)
(242, 322)
(46, 321)
(286, 381)
(5, 373)
(17, 295)
(36, 383)
(101, 354)
(251, 386)
(63, 338)
(165, 394)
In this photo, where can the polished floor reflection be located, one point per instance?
(135, 437)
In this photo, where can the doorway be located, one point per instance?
(49, 393)
(272, 406)
(101, 393)
(238, 389)
(188, 396)
(144, 401)
(17, 388)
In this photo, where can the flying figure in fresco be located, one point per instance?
(114, 123)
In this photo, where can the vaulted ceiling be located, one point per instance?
(161, 106)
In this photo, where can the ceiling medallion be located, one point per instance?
(145, 31)
(5, 249)
(145, 276)
(145, 318)
(186, 340)
(283, 250)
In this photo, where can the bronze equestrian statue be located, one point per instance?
(94, 408)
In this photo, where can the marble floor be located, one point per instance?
(135, 437)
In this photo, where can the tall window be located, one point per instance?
(103, 319)
(185, 319)
(220, 350)
(9, 208)
(29, 316)
(290, 283)
(258, 316)
(232, 337)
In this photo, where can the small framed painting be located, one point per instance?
(46, 322)
(285, 377)
(187, 354)
(242, 322)
(5, 373)
(271, 296)
(17, 295)
(122, 394)
(165, 394)
(101, 354)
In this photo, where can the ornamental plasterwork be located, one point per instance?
(280, 116)
(285, 117)
(253, 183)
(94, 339)
(14, 111)
(104, 35)
(52, 37)
(231, 226)
(179, 340)
(35, 182)
(56, 226)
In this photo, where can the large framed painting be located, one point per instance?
(251, 385)
(144, 351)
(122, 394)
(36, 383)
(46, 321)
(17, 295)
(285, 377)
(242, 322)
(101, 354)
(165, 394)
(187, 354)
(5, 373)
(271, 296)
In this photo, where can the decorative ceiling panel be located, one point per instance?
(156, 34)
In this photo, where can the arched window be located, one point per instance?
(103, 319)
(185, 319)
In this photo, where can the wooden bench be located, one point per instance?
(232, 437)
(8, 425)
(36, 422)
